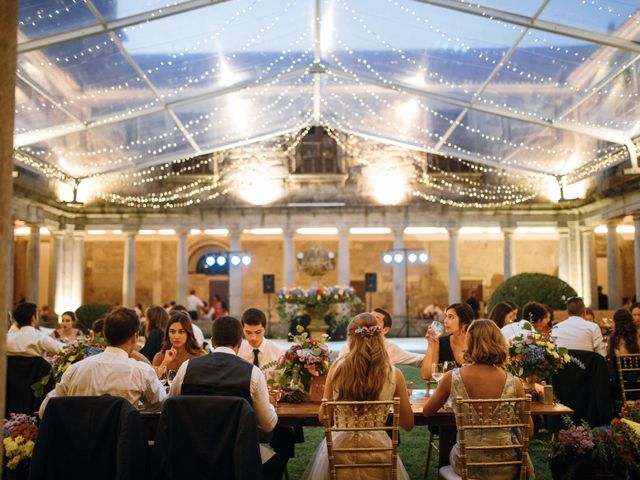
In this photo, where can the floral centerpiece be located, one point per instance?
(606, 326)
(582, 452)
(338, 303)
(307, 359)
(70, 354)
(535, 356)
(19, 437)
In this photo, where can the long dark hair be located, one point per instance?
(157, 317)
(191, 345)
(465, 314)
(625, 330)
(499, 313)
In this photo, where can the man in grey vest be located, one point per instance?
(223, 373)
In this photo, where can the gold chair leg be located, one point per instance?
(429, 452)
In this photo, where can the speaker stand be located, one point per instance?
(269, 315)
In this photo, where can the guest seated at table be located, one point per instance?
(67, 333)
(154, 327)
(256, 348)
(364, 374)
(179, 345)
(503, 313)
(25, 340)
(96, 329)
(482, 377)
(635, 312)
(588, 315)
(223, 373)
(575, 333)
(624, 338)
(535, 315)
(197, 331)
(448, 348)
(397, 356)
(113, 371)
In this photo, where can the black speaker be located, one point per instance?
(370, 282)
(268, 283)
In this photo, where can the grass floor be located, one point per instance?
(413, 450)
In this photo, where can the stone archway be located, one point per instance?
(205, 285)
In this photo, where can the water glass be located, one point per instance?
(169, 376)
(438, 327)
(275, 392)
(448, 365)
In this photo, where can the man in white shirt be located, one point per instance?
(223, 373)
(25, 340)
(113, 371)
(576, 333)
(194, 304)
(255, 348)
(397, 356)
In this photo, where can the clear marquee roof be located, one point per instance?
(536, 87)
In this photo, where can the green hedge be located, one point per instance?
(89, 313)
(538, 287)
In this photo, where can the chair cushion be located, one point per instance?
(447, 473)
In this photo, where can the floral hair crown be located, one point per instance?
(365, 331)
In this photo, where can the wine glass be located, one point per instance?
(169, 376)
(438, 327)
(437, 371)
(449, 365)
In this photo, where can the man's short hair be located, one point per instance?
(24, 312)
(254, 316)
(177, 308)
(226, 332)
(120, 325)
(575, 307)
(388, 321)
(533, 312)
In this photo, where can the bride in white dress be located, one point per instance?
(363, 374)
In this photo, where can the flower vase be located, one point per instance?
(316, 389)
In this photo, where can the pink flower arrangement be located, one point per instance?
(578, 439)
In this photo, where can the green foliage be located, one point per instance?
(528, 287)
(89, 313)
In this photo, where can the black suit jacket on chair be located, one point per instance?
(586, 390)
(22, 372)
(206, 437)
(97, 438)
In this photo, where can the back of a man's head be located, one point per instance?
(226, 332)
(177, 308)
(254, 316)
(575, 307)
(24, 312)
(120, 325)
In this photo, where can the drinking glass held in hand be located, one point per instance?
(436, 328)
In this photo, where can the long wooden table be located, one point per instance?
(306, 415)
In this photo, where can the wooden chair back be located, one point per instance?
(467, 414)
(368, 416)
(626, 365)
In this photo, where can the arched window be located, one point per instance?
(213, 263)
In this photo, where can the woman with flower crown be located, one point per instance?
(364, 374)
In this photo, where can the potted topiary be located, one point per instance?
(538, 287)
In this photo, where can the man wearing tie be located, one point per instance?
(256, 349)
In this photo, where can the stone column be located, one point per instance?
(399, 278)
(235, 277)
(344, 262)
(8, 36)
(182, 271)
(129, 270)
(589, 287)
(11, 267)
(33, 264)
(613, 265)
(575, 257)
(156, 281)
(636, 252)
(289, 258)
(563, 261)
(58, 273)
(77, 270)
(509, 260)
(454, 269)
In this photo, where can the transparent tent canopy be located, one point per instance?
(536, 87)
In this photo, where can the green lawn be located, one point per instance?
(412, 447)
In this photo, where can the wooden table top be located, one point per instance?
(306, 413)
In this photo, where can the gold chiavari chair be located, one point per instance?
(477, 420)
(361, 417)
(626, 365)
